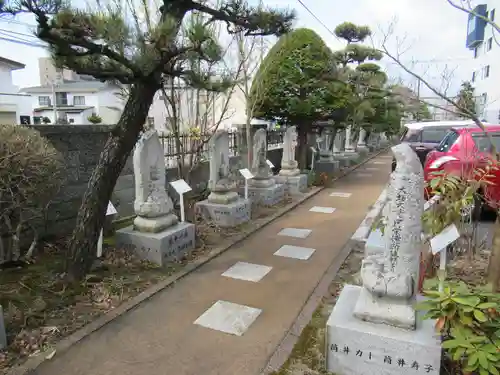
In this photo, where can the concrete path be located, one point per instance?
(254, 292)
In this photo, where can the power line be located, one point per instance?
(317, 18)
(392, 62)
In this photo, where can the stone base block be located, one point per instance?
(225, 215)
(223, 198)
(268, 196)
(352, 156)
(329, 167)
(374, 243)
(293, 185)
(384, 310)
(355, 347)
(343, 160)
(156, 224)
(362, 149)
(161, 247)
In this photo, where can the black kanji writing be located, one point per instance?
(334, 348)
(370, 355)
(428, 368)
(401, 362)
(387, 359)
(359, 353)
(415, 365)
(346, 349)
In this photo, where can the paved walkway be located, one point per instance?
(254, 291)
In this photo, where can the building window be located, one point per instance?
(61, 98)
(473, 76)
(486, 71)
(44, 101)
(476, 52)
(489, 44)
(471, 24)
(79, 100)
(492, 15)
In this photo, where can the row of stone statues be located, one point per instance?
(343, 151)
(157, 234)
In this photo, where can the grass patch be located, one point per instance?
(308, 353)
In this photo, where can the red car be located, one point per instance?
(461, 152)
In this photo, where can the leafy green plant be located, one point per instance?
(468, 320)
(94, 118)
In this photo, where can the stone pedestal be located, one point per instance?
(327, 166)
(225, 215)
(362, 149)
(355, 347)
(352, 156)
(343, 160)
(293, 184)
(167, 245)
(267, 196)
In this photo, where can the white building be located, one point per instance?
(76, 101)
(15, 107)
(201, 109)
(486, 51)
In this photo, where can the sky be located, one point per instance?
(430, 33)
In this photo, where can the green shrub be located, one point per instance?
(468, 319)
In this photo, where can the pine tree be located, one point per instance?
(141, 52)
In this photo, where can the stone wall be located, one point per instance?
(81, 146)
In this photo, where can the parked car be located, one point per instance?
(423, 137)
(461, 152)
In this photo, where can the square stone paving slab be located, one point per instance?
(295, 252)
(371, 169)
(323, 210)
(295, 232)
(247, 271)
(340, 194)
(228, 317)
(361, 174)
(380, 162)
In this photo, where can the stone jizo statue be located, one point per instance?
(288, 163)
(390, 279)
(152, 205)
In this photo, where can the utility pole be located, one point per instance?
(418, 98)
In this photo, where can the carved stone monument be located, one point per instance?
(378, 319)
(350, 150)
(326, 163)
(263, 189)
(338, 149)
(362, 147)
(224, 206)
(289, 175)
(156, 234)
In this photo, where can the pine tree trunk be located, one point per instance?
(494, 264)
(121, 141)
